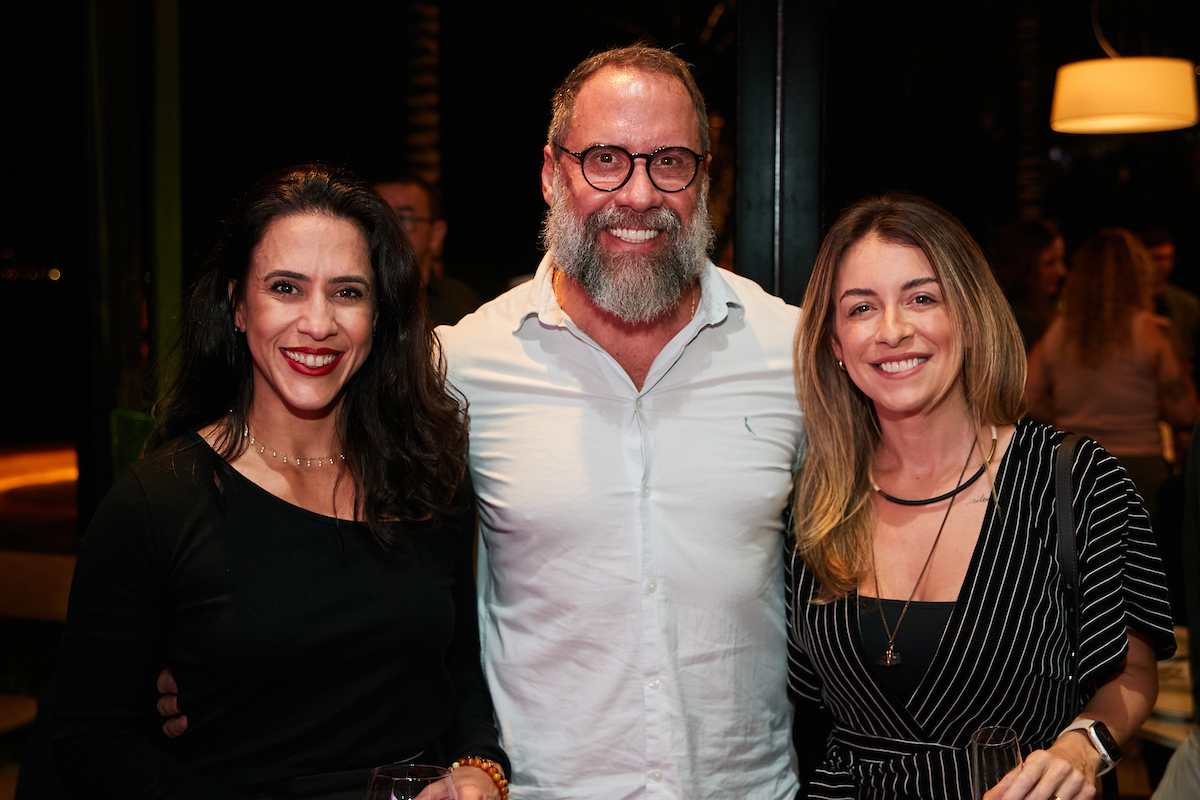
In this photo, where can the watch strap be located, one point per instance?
(1088, 726)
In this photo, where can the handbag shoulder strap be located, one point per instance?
(1065, 495)
(1068, 560)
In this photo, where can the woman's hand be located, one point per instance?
(1066, 770)
(472, 783)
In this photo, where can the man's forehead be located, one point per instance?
(400, 195)
(634, 108)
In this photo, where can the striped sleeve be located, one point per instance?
(1121, 575)
(803, 682)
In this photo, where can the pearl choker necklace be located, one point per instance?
(296, 460)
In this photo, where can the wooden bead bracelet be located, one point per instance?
(492, 769)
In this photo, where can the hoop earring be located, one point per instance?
(841, 366)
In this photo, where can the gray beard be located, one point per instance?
(634, 288)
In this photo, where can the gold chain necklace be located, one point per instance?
(891, 656)
(296, 460)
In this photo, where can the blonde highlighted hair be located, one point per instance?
(833, 516)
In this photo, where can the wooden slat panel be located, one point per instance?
(35, 585)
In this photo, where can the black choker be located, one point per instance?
(948, 494)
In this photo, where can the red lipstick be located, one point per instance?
(321, 355)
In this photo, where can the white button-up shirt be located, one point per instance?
(630, 579)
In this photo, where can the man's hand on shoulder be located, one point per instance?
(168, 705)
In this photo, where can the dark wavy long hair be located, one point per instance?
(402, 429)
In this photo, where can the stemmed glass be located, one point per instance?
(994, 753)
(409, 782)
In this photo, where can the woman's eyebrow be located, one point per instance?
(915, 282)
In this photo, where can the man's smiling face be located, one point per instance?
(635, 249)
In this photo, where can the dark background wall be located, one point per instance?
(265, 85)
(948, 98)
(43, 218)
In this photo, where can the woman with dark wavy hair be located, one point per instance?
(298, 551)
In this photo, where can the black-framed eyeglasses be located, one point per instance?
(411, 221)
(608, 167)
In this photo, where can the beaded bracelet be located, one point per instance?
(492, 769)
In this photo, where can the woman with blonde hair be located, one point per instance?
(926, 597)
(1108, 368)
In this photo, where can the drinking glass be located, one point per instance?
(409, 782)
(994, 753)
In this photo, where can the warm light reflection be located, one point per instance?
(1124, 95)
(33, 468)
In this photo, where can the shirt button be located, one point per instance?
(637, 403)
(653, 684)
(651, 587)
(645, 491)
(656, 776)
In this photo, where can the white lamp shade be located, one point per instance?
(1124, 95)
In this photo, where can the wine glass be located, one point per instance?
(994, 753)
(409, 782)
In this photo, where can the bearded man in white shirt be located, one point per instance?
(634, 430)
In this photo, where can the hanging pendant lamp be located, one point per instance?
(1123, 94)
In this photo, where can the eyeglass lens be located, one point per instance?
(409, 221)
(671, 169)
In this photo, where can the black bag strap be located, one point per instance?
(1068, 561)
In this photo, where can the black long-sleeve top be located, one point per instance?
(300, 647)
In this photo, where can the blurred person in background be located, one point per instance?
(1181, 780)
(1029, 261)
(418, 204)
(1178, 305)
(1108, 367)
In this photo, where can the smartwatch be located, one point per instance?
(1101, 739)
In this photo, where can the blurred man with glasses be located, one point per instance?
(418, 204)
(634, 431)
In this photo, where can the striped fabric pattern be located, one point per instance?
(1004, 657)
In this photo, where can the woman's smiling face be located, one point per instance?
(307, 309)
(892, 329)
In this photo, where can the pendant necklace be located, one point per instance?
(891, 656)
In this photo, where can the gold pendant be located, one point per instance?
(890, 657)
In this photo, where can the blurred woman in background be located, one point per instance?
(1108, 368)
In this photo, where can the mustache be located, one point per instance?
(661, 219)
